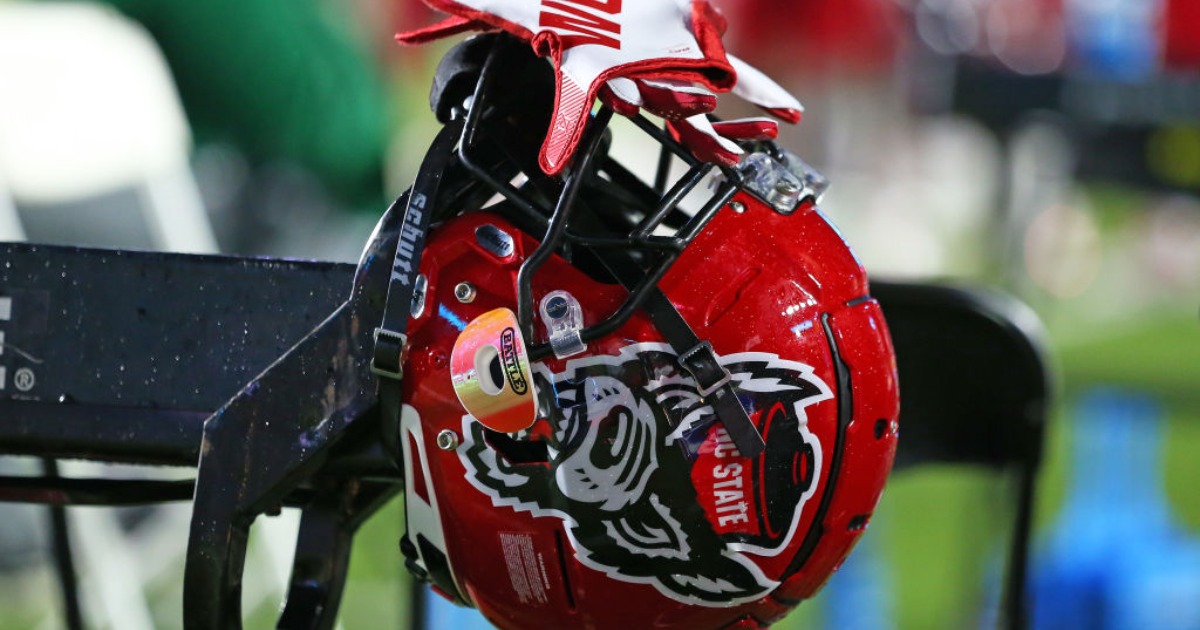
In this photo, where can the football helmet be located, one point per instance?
(623, 407)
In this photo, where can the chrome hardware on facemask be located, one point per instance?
(783, 181)
(563, 318)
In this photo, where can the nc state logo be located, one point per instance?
(648, 485)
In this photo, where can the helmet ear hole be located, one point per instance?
(488, 369)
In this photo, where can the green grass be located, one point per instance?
(377, 591)
(1159, 357)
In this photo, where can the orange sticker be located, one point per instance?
(491, 375)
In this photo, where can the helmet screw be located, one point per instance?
(447, 440)
(465, 292)
(737, 206)
(785, 195)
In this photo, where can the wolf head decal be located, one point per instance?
(648, 485)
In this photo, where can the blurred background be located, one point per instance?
(1048, 148)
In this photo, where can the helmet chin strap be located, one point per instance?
(695, 356)
(712, 379)
(390, 338)
(424, 558)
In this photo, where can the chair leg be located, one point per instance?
(1016, 598)
(64, 561)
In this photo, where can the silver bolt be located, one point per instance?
(785, 195)
(737, 206)
(465, 292)
(447, 440)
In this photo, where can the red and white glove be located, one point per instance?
(711, 142)
(593, 41)
(595, 48)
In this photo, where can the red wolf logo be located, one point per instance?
(646, 482)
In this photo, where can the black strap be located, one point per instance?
(695, 356)
(713, 380)
(390, 337)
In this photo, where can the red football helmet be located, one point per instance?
(620, 414)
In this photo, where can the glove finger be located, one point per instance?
(747, 129)
(758, 88)
(708, 26)
(697, 134)
(673, 99)
(622, 96)
(573, 100)
(481, 12)
(452, 25)
(712, 15)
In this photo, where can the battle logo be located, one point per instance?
(648, 485)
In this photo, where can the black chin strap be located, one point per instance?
(695, 356)
(713, 380)
(391, 335)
